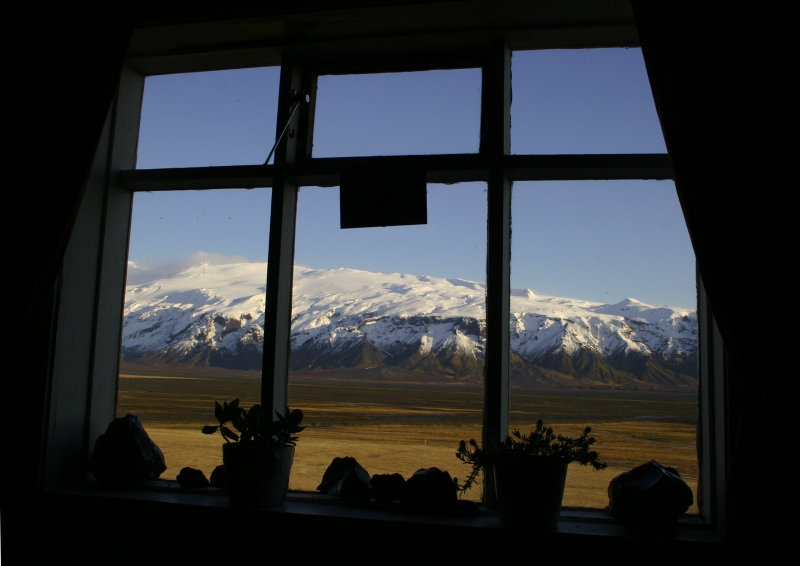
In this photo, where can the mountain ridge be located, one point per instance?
(414, 326)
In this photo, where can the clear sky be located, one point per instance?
(596, 240)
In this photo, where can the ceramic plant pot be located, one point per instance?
(529, 491)
(257, 476)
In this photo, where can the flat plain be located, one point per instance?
(402, 427)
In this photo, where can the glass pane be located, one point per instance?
(428, 112)
(387, 336)
(604, 325)
(208, 119)
(194, 316)
(583, 101)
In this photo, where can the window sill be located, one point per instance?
(574, 521)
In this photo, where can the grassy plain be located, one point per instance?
(395, 427)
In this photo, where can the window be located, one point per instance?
(573, 101)
(297, 167)
(207, 119)
(604, 324)
(193, 320)
(424, 112)
(387, 338)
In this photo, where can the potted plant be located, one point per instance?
(529, 473)
(257, 460)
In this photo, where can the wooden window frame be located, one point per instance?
(89, 315)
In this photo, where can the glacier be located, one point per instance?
(347, 319)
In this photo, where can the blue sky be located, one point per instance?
(596, 240)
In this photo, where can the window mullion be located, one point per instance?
(710, 349)
(495, 136)
(280, 266)
(114, 253)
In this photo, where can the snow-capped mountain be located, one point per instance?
(413, 325)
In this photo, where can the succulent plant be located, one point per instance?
(254, 426)
(541, 442)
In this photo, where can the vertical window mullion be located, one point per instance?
(717, 429)
(705, 408)
(280, 266)
(711, 422)
(114, 254)
(495, 136)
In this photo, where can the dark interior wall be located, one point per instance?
(720, 79)
(60, 72)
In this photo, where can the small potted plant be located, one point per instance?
(257, 460)
(529, 473)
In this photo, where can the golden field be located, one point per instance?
(404, 427)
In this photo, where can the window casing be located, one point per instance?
(86, 348)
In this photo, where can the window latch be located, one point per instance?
(298, 97)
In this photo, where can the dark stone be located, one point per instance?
(346, 478)
(387, 487)
(430, 491)
(218, 477)
(650, 496)
(190, 477)
(124, 455)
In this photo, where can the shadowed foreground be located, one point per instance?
(403, 427)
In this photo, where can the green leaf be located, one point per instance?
(231, 410)
(228, 433)
(234, 405)
(210, 429)
(219, 412)
(254, 417)
(239, 423)
(295, 417)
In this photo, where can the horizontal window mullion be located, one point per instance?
(194, 178)
(440, 168)
(518, 167)
(447, 168)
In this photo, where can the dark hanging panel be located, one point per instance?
(383, 196)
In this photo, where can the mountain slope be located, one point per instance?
(213, 315)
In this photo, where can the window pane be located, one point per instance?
(387, 336)
(583, 101)
(208, 119)
(604, 325)
(428, 112)
(194, 316)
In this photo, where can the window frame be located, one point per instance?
(86, 345)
